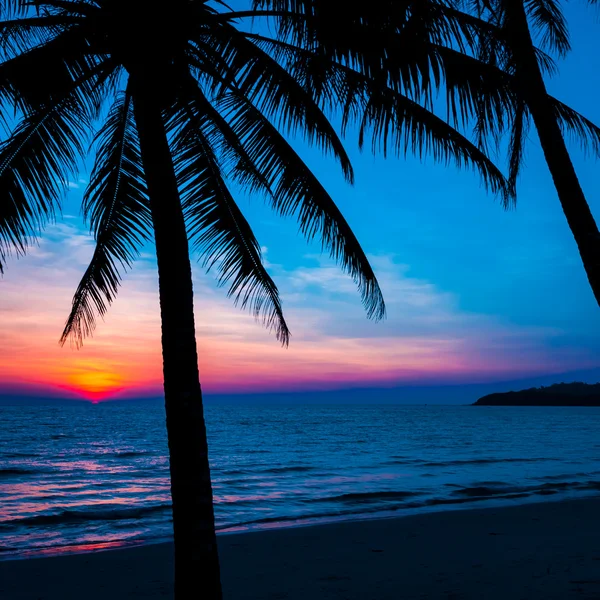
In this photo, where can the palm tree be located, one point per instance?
(196, 101)
(480, 53)
(507, 42)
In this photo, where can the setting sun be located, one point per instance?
(95, 383)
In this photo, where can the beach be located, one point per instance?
(536, 551)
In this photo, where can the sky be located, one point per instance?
(474, 293)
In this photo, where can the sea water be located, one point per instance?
(76, 478)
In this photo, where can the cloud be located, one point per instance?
(426, 338)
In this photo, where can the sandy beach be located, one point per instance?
(534, 551)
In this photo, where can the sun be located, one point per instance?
(95, 384)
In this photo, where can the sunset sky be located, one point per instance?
(474, 293)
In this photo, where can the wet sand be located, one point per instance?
(531, 552)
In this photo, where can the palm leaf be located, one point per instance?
(548, 20)
(13, 8)
(116, 206)
(520, 128)
(277, 94)
(56, 61)
(22, 34)
(193, 106)
(581, 129)
(35, 165)
(395, 120)
(219, 232)
(400, 124)
(296, 191)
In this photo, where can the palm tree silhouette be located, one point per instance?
(507, 42)
(480, 53)
(197, 101)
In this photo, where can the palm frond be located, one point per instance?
(193, 107)
(10, 9)
(70, 7)
(390, 42)
(22, 34)
(219, 231)
(116, 207)
(278, 95)
(578, 127)
(297, 192)
(479, 90)
(401, 125)
(548, 20)
(516, 151)
(56, 61)
(547, 63)
(35, 165)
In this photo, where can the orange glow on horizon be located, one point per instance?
(93, 381)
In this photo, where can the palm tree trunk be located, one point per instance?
(196, 558)
(571, 196)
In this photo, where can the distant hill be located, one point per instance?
(559, 394)
(407, 393)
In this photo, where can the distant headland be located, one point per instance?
(559, 394)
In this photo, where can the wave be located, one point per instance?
(366, 497)
(442, 501)
(398, 460)
(76, 516)
(503, 490)
(468, 495)
(496, 483)
(308, 518)
(19, 455)
(297, 469)
(233, 471)
(129, 454)
(566, 476)
(484, 491)
(481, 461)
(156, 473)
(349, 506)
(481, 491)
(258, 470)
(9, 472)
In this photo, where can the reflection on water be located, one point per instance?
(76, 548)
(86, 478)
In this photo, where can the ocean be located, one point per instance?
(77, 478)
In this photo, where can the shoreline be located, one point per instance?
(541, 550)
(482, 503)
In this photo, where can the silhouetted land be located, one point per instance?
(559, 394)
